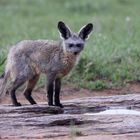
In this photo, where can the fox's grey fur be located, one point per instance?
(29, 58)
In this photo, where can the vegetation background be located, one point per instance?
(112, 55)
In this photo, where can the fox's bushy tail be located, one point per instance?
(3, 81)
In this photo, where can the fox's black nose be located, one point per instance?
(75, 53)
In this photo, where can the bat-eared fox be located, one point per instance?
(29, 58)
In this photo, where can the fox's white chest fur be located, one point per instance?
(68, 61)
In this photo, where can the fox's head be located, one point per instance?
(74, 42)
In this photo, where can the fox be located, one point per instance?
(28, 59)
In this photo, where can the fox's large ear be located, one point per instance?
(65, 32)
(85, 31)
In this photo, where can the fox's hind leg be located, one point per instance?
(16, 84)
(30, 86)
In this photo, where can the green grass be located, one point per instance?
(112, 54)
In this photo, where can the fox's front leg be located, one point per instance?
(57, 92)
(50, 88)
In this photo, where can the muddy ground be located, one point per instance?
(71, 94)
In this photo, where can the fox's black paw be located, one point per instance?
(50, 104)
(60, 105)
(17, 104)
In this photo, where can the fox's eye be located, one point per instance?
(79, 45)
(70, 45)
